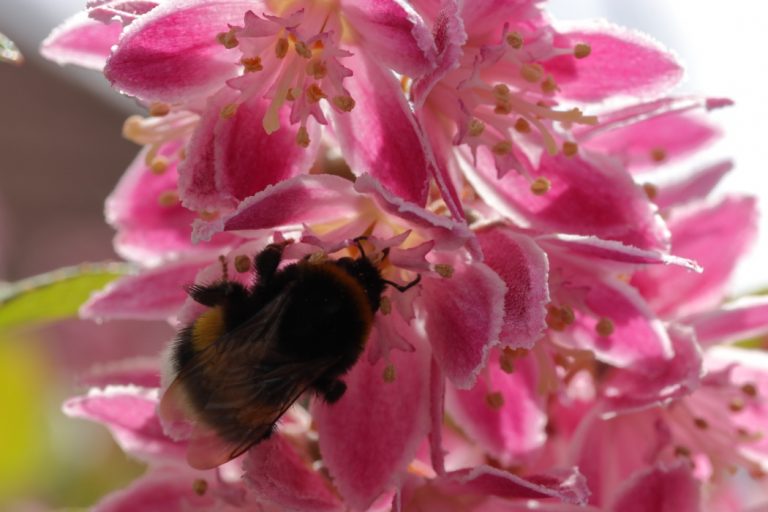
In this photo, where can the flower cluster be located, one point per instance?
(567, 346)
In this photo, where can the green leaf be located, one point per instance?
(54, 295)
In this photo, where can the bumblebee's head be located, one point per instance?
(369, 277)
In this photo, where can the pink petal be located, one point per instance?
(656, 382)
(716, 237)
(81, 41)
(141, 372)
(129, 413)
(171, 54)
(523, 267)
(610, 256)
(379, 136)
(622, 62)
(659, 489)
(369, 436)
(568, 486)
(588, 197)
(231, 159)
(279, 477)
(515, 427)
(306, 199)
(638, 336)
(166, 490)
(155, 294)
(388, 34)
(739, 320)
(446, 233)
(676, 134)
(149, 230)
(464, 316)
(694, 187)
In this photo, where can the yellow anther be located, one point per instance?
(508, 357)
(515, 40)
(228, 111)
(522, 125)
(405, 83)
(736, 405)
(651, 190)
(541, 186)
(315, 93)
(682, 451)
(531, 72)
(749, 389)
(389, 373)
(502, 107)
(168, 198)
(302, 137)
(604, 327)
(385, 306)
(494, 400)
(159, 165)
(302, 49)
(549, 86)
(566, 313)
(242, 263)
(476, 128)
(228, 39)
(318, 45)
(501, 91)
(658, 155)
(316, 68)
(251, 64)
(159, 109)
(554, 318)
(292, 93)
(570, 148)
(344, 103)
(281, 48)
(444, 270)
(182, 153)
(208, 215)
(701, 423)
(582, 50)
(502, 148)
(200, 486)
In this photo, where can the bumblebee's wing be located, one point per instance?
(249, 386)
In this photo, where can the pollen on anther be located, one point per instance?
(494, 400)
(168, 198)
(251, 64)
(227, 39)
(242, 263)
(604, 327)
(444, 270)
(549, 86)
(228, 111)
(159, 109)
(658, 155)
(344, 103)
(302, 137)
(541, 186)
(200, 486)
(736, 405)
(158, 165)
(302, 49)
(582, 50)
(389, 373)
(316, 69)
(749, 389)
(385, 306)
(701, 423)
(682, 451)
(476, 127)
(501, 148)
(650, 190)
(281, 48)
(570, 148)
(531, 72)
(522, 126)
(315, 93)
(515, 40)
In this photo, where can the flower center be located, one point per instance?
(291, 59)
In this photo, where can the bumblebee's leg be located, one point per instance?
(219, 294)
(331, 390)
(267, 261)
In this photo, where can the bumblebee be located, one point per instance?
(243, 362)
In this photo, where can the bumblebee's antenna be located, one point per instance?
(224, 270)
(360, 246)
(404, 287)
